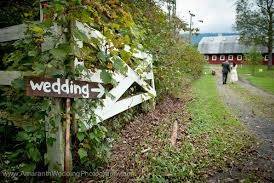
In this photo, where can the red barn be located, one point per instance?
(220, 48)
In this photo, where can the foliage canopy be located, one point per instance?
(125, 22)
(254, 22)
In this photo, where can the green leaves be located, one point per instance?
(50, 140)
(32, 53)
(119, 65)
(18, 84)
(14, 58)
(102, 56)
(80, 35)
(28, 167)
(81, 136)
(94, 146)
(82, 153)
(117, 24)
(22, 136)
(125, 55)
(253, 22)
(39, 68)
(105, 76)
(61, 51)
(59, 8)
(33, 153)
(36, 29)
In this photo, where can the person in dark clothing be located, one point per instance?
(225, 70)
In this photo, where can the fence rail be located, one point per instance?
(12, 33)
(112, 105)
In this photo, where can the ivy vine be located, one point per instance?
(49, 50)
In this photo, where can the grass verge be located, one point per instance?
(262, 77)
(213, 140)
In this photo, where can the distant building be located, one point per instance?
(196, 38)
(220, 48)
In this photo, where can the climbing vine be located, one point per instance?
(49, 50)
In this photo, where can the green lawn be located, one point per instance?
(263, 79)
(214, 139)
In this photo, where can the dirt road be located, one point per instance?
(254, 108)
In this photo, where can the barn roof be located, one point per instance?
(224, 45)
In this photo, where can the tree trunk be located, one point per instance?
(270, 40)
(269, 65)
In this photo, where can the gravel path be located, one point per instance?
(261, 125)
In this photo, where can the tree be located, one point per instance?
(254, 22)
(253, 58)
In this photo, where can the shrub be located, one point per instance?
(253, 58)
(123, 22)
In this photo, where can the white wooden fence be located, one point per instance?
(112, 105)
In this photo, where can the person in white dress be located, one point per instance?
(233, 73)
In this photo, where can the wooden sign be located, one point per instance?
(58, 87)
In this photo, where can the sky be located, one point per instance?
(217, 15)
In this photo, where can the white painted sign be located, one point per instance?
(58, 87)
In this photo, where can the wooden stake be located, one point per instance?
(67, 163)
(174, 133)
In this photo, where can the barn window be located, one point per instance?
(266, 58)
(230, 57)
(214, 57)
(239, 57)
(222, 57)
(206, 57)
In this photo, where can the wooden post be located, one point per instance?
(55, 151)
(174, 134)
(68, 159)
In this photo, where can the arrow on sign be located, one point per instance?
(100, 90)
